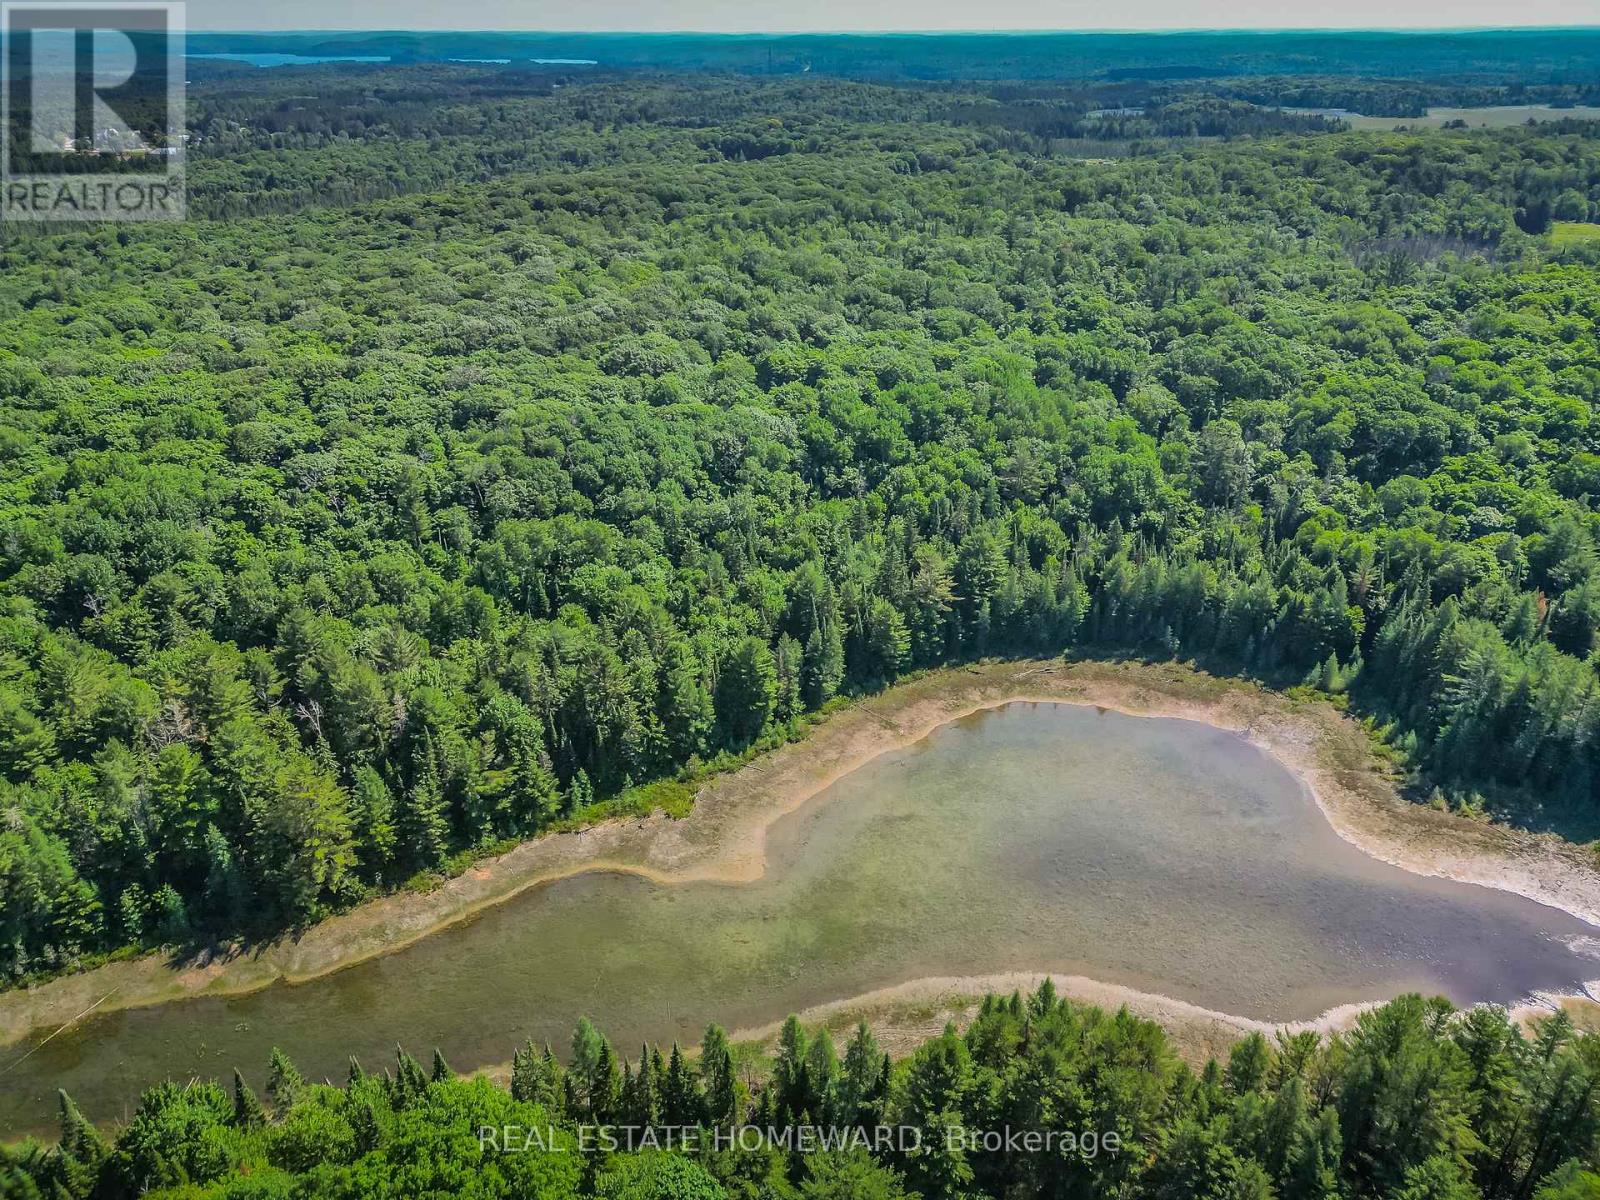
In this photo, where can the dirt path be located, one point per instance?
(724, 837)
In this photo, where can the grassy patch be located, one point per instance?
(1574, 233)
(672, 796)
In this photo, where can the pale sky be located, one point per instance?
(752, 16)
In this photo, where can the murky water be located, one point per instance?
(1164, 855)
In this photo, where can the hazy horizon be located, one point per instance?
(1042, 31)
(884, 17)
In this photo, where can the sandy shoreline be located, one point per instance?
(723, 837)
(904, 1016)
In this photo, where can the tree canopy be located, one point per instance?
(345, 541)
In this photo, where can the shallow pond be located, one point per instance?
(1164, 855)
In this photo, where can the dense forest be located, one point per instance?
(340, 543)
(379, 131)
(1416, 1102)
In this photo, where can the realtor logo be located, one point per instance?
(91, 111)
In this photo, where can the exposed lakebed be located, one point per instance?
(1167, 856)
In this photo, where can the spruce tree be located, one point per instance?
(82, 1152)
(527, 1074)
(719, 1085)
(792, 1092)
(424, 834)
(860, 1098)
(605, 1088)
(372, 806)
(822, 1079)
(284, 1081)
(247, 1111)
(411, 1080)
(680, 1092)
(641, 1093)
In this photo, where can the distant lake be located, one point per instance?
(306, 60)
(1162, 855)
(294, 60)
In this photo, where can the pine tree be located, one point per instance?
(747, 692)
(789, 1081)
(227, 894)
(788, 660)
(1044, 1000)
(441, 1069)
(594, 1072)
(684, 702)
(372, 806)
(580, 793)
(537, 1078)
(1249, 1065)
(133, 913)
(860, 1099)
(284, 1081)
(680, 1095)
(82, 1151)
(641, 1098)
(886, 642)
(658, 1077)
(605, 1088)
(536, 793)
(424, 832)
(822, 1079)
(719, 1085)
(247, 1110)
(822, 668)
(411, 1080)
(527, 1074)
(172, 921)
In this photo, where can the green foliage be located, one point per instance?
(1418, 1101)
(1573, 233)
(344, 545)
(657, 1176)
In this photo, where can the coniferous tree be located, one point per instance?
(790, 1084)
(680, 1094)
(822, 1080)
(640, 1105)
(82, 1151)
(284, 1081)
(373, 810)
(822, 666)
(410, 1080)
(424, 828)
(718, 1083)
(861, 1099)
(247, 1110)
